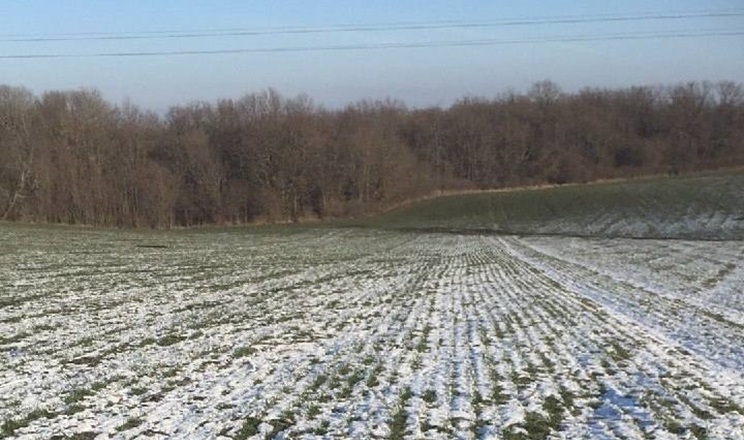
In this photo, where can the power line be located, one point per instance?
(365, 28)
(400, 45)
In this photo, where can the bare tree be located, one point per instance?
(17, 148)
(72, 157)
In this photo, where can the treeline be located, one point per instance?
(72, 157)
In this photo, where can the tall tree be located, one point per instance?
(17, 148)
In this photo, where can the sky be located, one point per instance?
(524, 44)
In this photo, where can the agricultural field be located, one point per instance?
(701, 206)
(370, 332)
(358, 333)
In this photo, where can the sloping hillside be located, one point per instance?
(704, 206)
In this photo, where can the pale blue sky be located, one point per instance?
(418, 76)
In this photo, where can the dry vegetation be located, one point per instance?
(72, 157)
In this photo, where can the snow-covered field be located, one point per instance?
(362, 333)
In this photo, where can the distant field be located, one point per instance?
(708, 206)
(367, 333)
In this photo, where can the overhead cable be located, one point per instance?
(394, 45)
(384, 27)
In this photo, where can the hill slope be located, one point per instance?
(704, 206)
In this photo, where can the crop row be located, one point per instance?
(361, 333)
